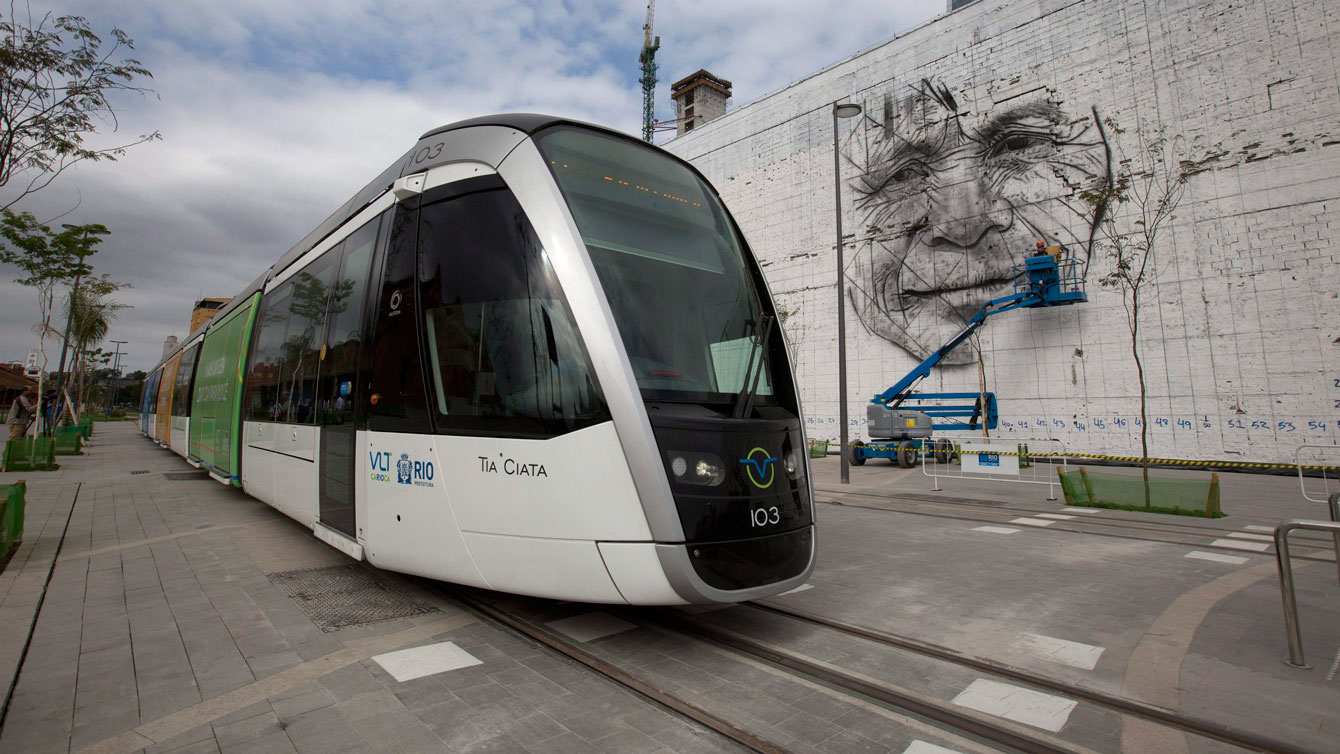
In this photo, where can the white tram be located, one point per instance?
(534, 356)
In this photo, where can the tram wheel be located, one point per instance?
(907, 454)
(856, 458)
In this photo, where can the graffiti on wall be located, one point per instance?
(951, 200)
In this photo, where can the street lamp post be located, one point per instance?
(111, 388)
(843, 110)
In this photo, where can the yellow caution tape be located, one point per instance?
(1130, 459)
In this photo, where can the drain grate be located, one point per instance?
(185, 476)
(138, 472)
(348, 595)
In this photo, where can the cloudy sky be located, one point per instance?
(273, 112)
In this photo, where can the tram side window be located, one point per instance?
(262, 391)
(181, 395)
(302, 344)
(504, 354)
(338, 392)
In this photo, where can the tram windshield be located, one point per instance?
(671, 264)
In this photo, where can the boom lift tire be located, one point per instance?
(856, 458)
(907, 454)
(943, 448)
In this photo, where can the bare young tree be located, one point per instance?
(56, 88)
(1134, 212)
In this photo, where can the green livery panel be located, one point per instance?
(216, 405)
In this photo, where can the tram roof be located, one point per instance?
(525, 123)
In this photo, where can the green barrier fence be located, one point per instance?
(86, 426)
(11, 515)
(1192, 497)
(29, 454)
(819, 448)
(69, 440)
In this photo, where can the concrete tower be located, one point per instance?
(699, 97)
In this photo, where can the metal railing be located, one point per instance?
(1034, 466)
(1286, 572)
(1328, 481)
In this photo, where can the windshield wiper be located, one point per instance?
(744, 403)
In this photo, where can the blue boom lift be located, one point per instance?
(1043, 280)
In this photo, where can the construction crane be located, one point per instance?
(650, 45)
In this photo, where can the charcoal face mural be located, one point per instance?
(952, 200)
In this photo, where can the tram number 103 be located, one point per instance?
(764, 516)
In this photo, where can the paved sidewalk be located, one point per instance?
(177, 614)
(1180, 612)
(166, 627)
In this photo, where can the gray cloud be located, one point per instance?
(273, 113)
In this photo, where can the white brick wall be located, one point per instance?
(1242, 333)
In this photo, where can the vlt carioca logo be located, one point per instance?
(759, 468)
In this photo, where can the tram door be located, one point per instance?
(339, 390)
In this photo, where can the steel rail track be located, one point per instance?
(674, 704)
(1171, 532)
(959, 720)
(1176, 720)
(954, 721)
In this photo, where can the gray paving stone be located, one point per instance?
(650, 720)
(243, 713)
(156, 704)
(270, 743)
(320, 731)
(496, 745)
(807, 728)
(444, 714)
(312, 696)
(594, 725)
(29, 735)
(269, 664)
(395, 733)
(484, 695)
(566, 743)
(532, 729)
(249, 729)
(203, 734)
(580, 699)
(844, 742)
(424, 696)
(373, 704)
(686, 739)
(627, 741)
(97, 728)
(349, 682)
(200, 747)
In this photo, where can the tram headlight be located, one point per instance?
(708, 473)
(791, 462)
(701, 469)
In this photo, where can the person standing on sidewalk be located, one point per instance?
(21, 413)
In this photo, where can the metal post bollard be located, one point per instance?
(1334, 502)
(1286, 580)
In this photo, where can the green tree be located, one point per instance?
(91, 312)
(57, 85)
(46, 261)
